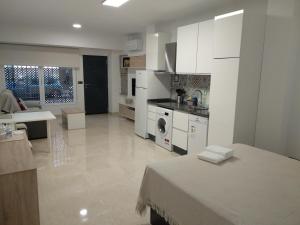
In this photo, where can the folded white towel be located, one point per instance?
(226, 152)
(216, 154)
(211, 157)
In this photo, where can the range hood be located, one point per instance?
(170, 59)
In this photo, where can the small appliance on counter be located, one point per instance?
(180, 95)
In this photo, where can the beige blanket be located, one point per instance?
(255, 187)
(8, 102)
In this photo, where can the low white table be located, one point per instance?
(24, 117)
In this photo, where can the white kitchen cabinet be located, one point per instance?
(228, 35)
(151, 127)
(181, 121)
(180, 129)
(180, 138)
(205, 47)
(187, 41)
(151, 120)
(155, 48)
(223, 98)
(197, 138)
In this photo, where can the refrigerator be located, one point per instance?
(148, 86)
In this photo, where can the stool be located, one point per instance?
(73, 118)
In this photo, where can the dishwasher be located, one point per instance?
(198, 129)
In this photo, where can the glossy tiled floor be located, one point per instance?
(92, 176)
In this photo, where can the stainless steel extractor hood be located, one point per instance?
(170, 59)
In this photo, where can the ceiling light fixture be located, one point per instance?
(114, 3)
(77, 25)
(229, 14)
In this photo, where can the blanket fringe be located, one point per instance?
(142, 206)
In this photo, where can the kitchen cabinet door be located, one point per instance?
(151, 129)
(223, 96)
(180, 139)
(187, 41)
(205, 47)
(197, 139)
(181, 121)
(228, 36)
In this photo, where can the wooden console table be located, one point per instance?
(18, 183)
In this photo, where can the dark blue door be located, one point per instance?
(95, 84)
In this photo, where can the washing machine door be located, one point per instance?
(162, 126)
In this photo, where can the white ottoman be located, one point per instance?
(73, 118)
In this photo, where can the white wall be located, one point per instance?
(19, 54)
(171, 26)
(66, 38)
(272, 125)
(293, 140)
(114, 82)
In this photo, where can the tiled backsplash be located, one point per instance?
(190, 83)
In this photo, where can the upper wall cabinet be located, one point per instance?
(187, 39)
(155, 48)
(205, 47)
(195, 48)
(228, 35)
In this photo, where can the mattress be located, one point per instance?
(255, 187)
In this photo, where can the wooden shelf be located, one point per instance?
(133, 62)
(126, 111)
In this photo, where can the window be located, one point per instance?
(50, 85)
(23, 81)
(58, 83)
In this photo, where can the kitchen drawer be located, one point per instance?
(152, 108)
(181, 121)
(151, 115)
(199, 119)
(180, 139)
(151, 127)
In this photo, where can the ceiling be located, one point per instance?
(132, 17)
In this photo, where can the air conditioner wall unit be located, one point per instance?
(134, 45)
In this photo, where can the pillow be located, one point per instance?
(22, 104)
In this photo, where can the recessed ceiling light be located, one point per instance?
(114, 3)
(77, 25)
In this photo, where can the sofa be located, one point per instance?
(10, 104)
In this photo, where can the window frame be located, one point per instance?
(42, 84)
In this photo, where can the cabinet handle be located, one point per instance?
(193, 129)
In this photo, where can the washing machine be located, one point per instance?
(164, 120)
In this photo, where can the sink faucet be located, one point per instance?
(201, 95)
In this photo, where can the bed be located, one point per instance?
(256, 187)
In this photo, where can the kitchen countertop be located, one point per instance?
(173, 105)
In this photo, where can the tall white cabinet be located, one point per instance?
(222, 105)
(235, 78)
(195, 48)
(228, 36)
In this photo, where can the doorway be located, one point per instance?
(95, 84)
